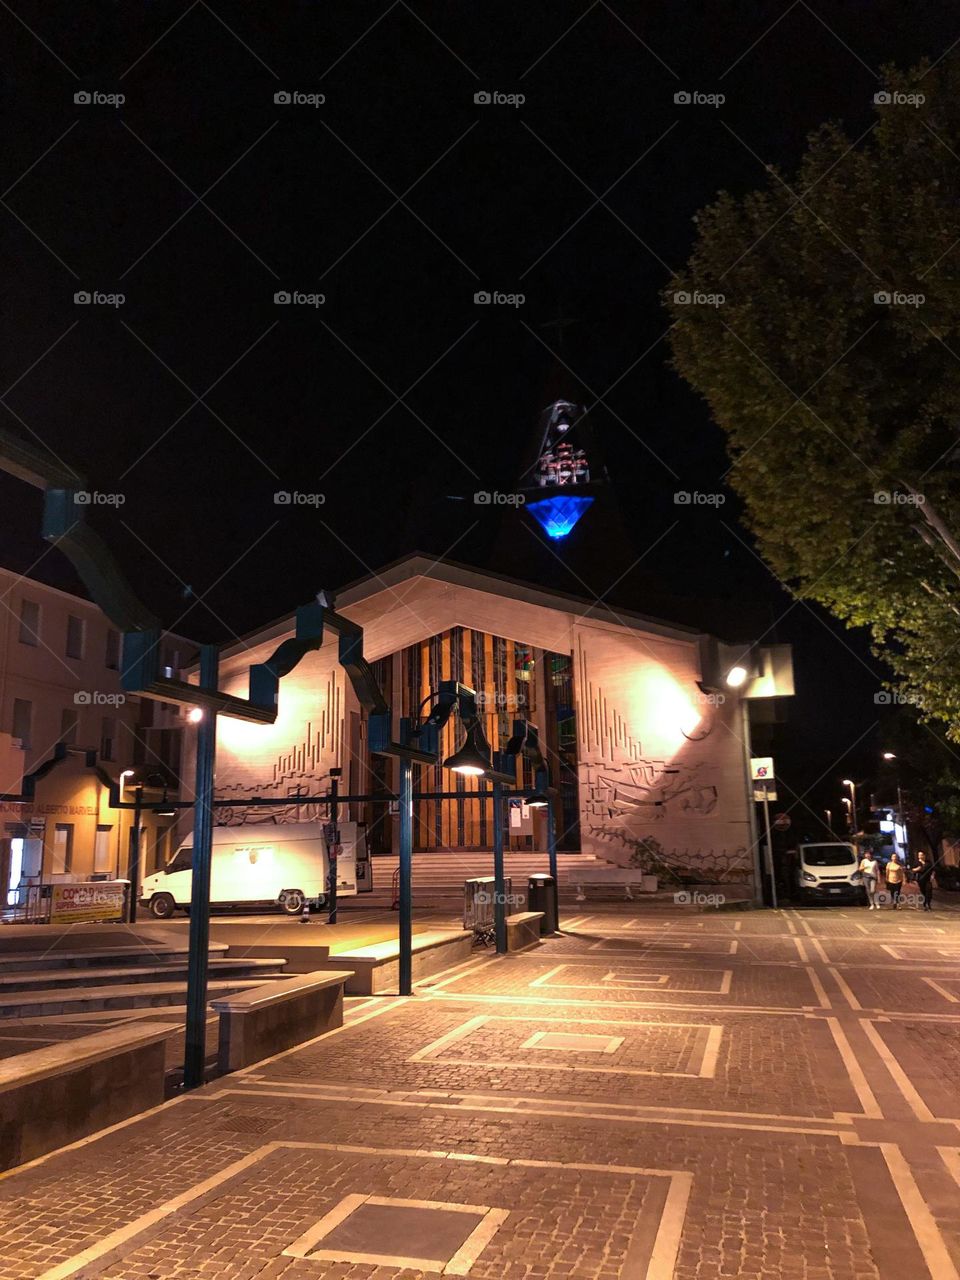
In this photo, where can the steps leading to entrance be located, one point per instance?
(28, 959)
(136, 995)
(438, 877)
(58, 979)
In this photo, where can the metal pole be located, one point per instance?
(334, 847)
(751, 802)
(552, 852)
(195, 1055)
(406, 867)
(133, 865)
(766, 823)
(499, 885)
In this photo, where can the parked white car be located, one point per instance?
(263, 866)
(828, 872)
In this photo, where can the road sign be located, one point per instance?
(761, 769)
(762, 792)
(782, 822)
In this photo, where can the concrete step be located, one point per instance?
(56, 979)
(145, 995)
(99, 957)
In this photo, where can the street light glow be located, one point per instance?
(888, 755)
(737, 676)
(195, 715)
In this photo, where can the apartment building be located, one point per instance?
(60, 687)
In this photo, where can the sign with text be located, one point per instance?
(94, 902)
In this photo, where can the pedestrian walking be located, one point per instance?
(922, 872)
(895, 875)
(870, 872)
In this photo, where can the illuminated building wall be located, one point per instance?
(646, 754)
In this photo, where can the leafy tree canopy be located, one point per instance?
(832, 364)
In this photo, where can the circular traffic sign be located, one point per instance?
(782, 822)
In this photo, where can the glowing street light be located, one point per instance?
(473, 759)
(737, 676)
(195, 715)
(848, 782)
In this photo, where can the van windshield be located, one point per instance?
(182, 860)
(828, 855)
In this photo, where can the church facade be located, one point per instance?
(647, 746)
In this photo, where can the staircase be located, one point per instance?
(438, 877)
(95, 978)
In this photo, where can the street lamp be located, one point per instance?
(473, 760)
(847, 782)
(846, 806)
(890, 757)
(737, 676)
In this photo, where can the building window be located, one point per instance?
(102, 856)
(22, 721)
(69, 719)
(74, 637)
(112, 659)
(63, 848)
(108, 737)
(29, 622)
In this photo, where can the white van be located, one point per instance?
(263, 866)
(828, 872)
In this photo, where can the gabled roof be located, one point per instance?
(420, 565)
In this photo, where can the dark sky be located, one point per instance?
(397, 199)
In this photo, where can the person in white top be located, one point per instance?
(870, 870)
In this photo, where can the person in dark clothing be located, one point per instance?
(922, 872)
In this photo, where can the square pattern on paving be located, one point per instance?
(574, 1043)
(686, 1049)
(345, 1210)
(583, 977)
(426, 1235)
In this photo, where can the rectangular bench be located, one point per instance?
(52, 1096)
(275, 1016)
(523, 930)
(376, 968)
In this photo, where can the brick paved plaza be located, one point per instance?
(649, 1095)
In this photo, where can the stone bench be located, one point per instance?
(376, 968)
(274, 1016)
(523, 930)
(52, 1096)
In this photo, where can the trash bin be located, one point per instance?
(542, 896)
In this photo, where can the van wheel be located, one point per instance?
(291, 901)
(162, 906)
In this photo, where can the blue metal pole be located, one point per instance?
(333, 856)
(195, 1055)
(406, 869)
(499, 883)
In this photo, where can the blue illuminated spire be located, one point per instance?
(561, 473)
(557, 516)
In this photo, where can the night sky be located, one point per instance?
(398, 199)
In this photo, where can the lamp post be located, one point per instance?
(847, 811)
(194, 1061)
(829, 813)
(133, 861)
(848, 782)
(891, 758)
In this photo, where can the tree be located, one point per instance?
(820, 318)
